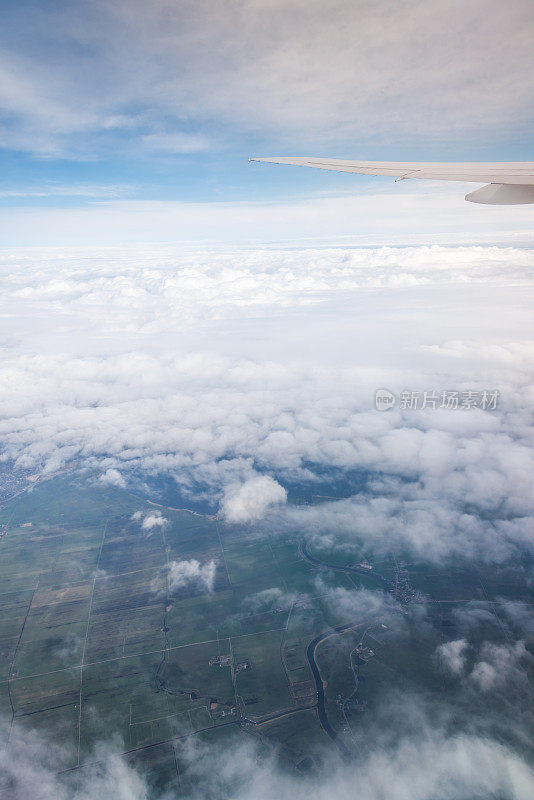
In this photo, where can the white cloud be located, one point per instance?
(154, 521)
(437, 767)
(414, 756)
(452, 656)
(251, 500)
(498, 664)
(150, 520)
(380, 214)
(216, 366)
(183, 573)
(113, 477)
(361, 605)
(29, 768)
(494, 666)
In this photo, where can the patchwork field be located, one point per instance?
(98, 644)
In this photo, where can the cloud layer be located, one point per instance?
(156, 72)
(423, 762)
(238, 373)
(415, 212)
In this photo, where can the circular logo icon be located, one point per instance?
(384, 399)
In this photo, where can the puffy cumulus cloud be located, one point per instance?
(251, 500)
(183, 573)
(113, 477)
(150, 520)
(452, 656)
(489, 666)
(154, 521)
(284, 67)
(500, 663)
(216, 367)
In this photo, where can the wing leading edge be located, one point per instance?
(509, 183)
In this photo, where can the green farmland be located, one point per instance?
(96, 644)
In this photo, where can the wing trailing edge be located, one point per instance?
(509, 183)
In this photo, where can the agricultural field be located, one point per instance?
(125, 621)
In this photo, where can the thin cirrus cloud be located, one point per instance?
(176, 142)
(55, 190)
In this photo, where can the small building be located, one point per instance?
(220, 661)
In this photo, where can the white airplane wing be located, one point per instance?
(507, 183)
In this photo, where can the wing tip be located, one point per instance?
(502, 194)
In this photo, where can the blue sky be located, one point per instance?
(163, 102)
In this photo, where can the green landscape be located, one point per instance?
(97, 645)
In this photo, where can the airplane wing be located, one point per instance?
(507, 183)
